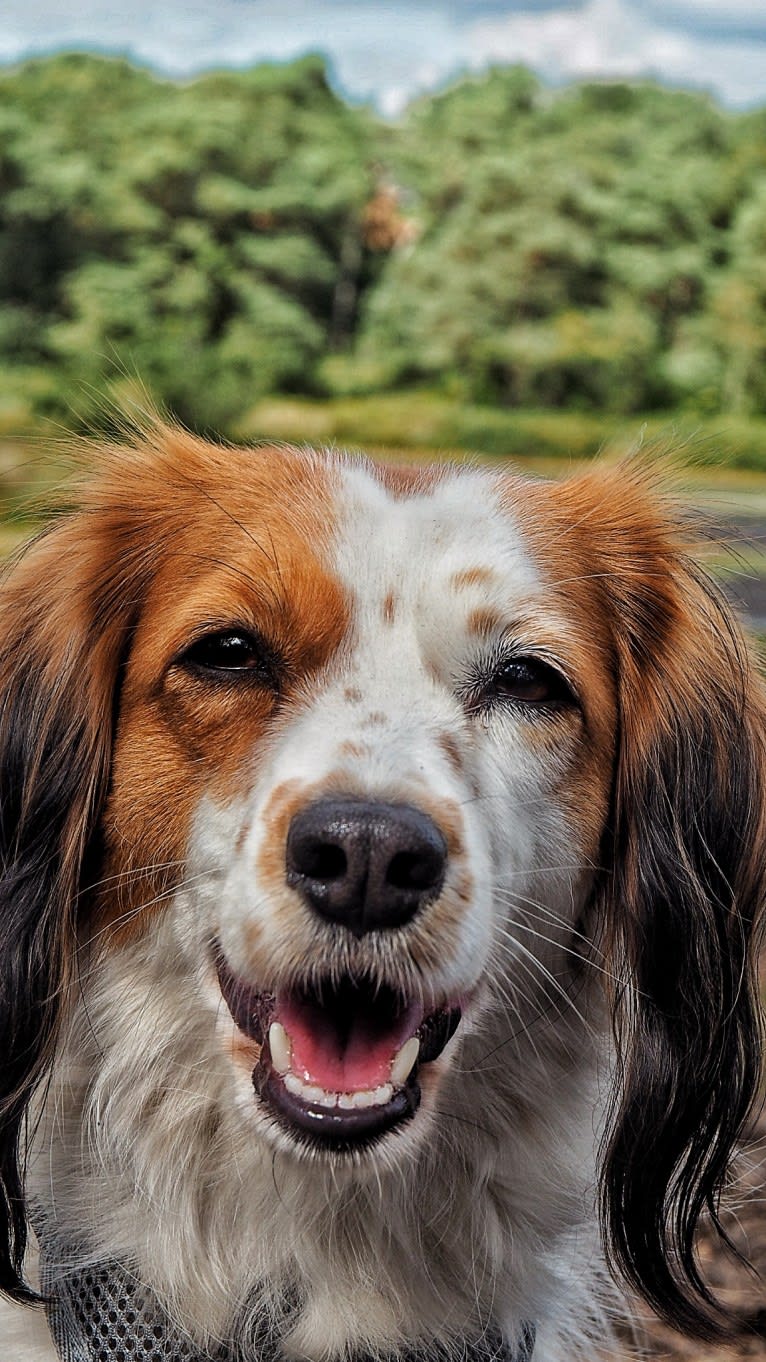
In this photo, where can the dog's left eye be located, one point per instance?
(231, 653)
(525, 681)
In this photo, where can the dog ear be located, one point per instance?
(63, 622)
(67, 612)
(686, 878)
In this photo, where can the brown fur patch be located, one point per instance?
(375, 719)
(352, 749)
(451, 749)
(470, 577)
(389, 608)
(485, 622)
(407, 480)
(241, 837)
(286, 800)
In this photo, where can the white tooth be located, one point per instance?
(404, 1062)
(363, 1098)
(308, 1092)
(280, 1047)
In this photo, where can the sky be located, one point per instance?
(386, 53)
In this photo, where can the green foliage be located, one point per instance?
(196, 235)
(597, 249)
(568, 246)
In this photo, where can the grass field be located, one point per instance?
(434, 424)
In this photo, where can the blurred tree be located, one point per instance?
(248, 232)
(199, 234)
(564, 240)
(722, 351)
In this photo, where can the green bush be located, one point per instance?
(594, 250)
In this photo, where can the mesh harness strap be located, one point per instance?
(101, 1314)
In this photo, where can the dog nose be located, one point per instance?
(367, 865)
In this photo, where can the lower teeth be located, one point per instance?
(346, 1101)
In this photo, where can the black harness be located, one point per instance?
(101, 1314)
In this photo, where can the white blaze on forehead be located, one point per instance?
(405, 553)
(415, 569)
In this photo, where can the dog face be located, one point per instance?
(368, 733)
(342, 775)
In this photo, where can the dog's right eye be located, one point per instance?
(232, 654)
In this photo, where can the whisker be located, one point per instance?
(530, 962)
(137, 909)
(559, 946)
(133, 872)
(514, 899)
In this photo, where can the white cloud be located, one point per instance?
(389, 51)
(615, 38)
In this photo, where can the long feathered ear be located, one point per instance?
(67, 612)
(63, 623)
(686, 881)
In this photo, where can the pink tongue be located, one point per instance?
(359, 1058)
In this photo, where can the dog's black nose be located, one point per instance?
(366, 865)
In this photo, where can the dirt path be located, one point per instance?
(746, 585)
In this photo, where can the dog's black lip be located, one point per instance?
(435, 1031)
(250, 1008)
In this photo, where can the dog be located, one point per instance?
(382, 855)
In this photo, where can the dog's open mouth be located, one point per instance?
(338, 1063)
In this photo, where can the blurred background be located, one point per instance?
(532, 230)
